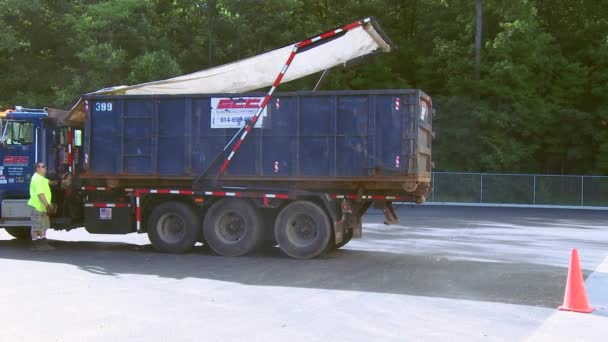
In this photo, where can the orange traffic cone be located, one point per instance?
(575, 297)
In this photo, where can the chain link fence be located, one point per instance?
(520, 189)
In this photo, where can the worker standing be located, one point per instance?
(40, 208)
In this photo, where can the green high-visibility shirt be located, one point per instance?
(39, 185)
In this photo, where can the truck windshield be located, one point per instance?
(18, 133)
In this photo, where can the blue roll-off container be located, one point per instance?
(338, 139)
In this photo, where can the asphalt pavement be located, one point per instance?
(458, 273)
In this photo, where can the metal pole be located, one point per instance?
(323, 75)
(534, 191)
(582, 190)
(433, 186)
(481, 188)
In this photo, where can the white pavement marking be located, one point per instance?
(573, 326)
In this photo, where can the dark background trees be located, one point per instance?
(540, 103)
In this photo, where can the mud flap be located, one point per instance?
(357, 226)
(339, 231)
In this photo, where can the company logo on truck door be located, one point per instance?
(16, 160)
(233, 112)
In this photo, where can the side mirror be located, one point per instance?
(3, 137)
(3, 140)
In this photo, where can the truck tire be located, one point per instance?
(174, 227)
(19, 233)
(348, 235)
(303, 230)
(233, 227)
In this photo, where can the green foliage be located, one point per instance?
(153, 65)
(540, 105)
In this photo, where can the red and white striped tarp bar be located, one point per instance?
(296, 48)
(332, 48)
(327, 50)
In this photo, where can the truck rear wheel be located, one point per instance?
(19, 233)
(174, 227)
(303, 230)
(233, 227)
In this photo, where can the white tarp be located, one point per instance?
(260, 71)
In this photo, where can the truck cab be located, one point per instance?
(29, 136)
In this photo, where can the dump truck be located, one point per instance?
(205, 158)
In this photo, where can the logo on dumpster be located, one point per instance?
(229, 112)
(239, 103)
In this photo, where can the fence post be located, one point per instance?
(534, 191)
(481, 188)
(433, 186)
(582, 191)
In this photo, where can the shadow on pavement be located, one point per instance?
(368, 271)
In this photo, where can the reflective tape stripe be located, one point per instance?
(107, 205)
(137, 212)
(164, 191)
(95, 188)
(368, 197)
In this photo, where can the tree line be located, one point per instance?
(518, 86)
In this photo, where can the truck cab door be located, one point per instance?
(18, 154)
(65, 146)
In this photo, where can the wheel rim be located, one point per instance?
(230, 227)
(171, 228)
(302, 230)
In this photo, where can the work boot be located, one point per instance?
(35, 246)
(45, 245)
